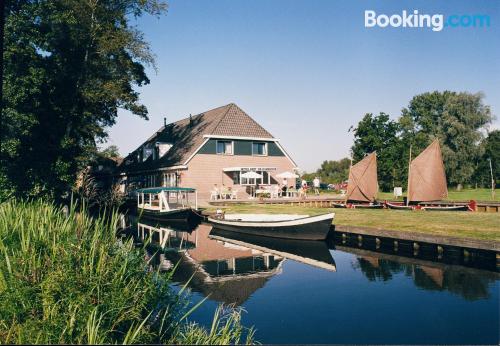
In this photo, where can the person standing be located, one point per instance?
(316, 184)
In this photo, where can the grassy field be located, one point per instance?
(484, 226)
(454, 195)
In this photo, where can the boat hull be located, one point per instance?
(310, 228)
(178, 214)
(453, 208)
(399, 206)
(367, 206)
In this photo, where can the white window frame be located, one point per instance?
(225, 141)
(265, 147)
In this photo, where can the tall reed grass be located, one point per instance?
(67, 279)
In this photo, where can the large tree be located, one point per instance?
(458, 120)
(379, 133)
(69, 65)
(331, 172)
(491, 152)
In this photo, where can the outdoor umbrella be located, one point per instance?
(251, 175)
(287, 175)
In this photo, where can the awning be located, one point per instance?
(247, 169)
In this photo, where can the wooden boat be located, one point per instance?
(399, 206)
(427, 180)
(366, 206)
(278, 225)
(446, 208)
(358, 205)
(167, 203)
(362, 186)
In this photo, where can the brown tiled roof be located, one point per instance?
(238, 123)
(187, 135)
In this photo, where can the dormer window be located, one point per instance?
(225, 147)
(163, 148)
(259, 148)
(147, 152)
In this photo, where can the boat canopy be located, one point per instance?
(167, 189)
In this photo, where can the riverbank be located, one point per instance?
(461, 225)
(65, 278)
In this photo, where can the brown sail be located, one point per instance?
(427, 178)
(363, 184)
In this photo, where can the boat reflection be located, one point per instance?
(227, 266)
(469, 283)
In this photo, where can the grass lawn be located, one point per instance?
(483, 226)
(454, 195)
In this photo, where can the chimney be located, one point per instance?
(190, 120)
(164, 121)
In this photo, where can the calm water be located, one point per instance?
(319, 292)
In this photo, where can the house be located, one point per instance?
(200, 151)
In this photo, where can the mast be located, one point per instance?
(408, 180)
(348, 182)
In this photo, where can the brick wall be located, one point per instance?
(205, 170)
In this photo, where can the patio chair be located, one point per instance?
(275, 191)
(234, 194)
(214, 195)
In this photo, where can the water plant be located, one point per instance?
(66, 278)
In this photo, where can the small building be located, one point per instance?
(212, 148)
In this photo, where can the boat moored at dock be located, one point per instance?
(167, 203)
(277, 225)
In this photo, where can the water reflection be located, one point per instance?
(471, 284)
(231, 267)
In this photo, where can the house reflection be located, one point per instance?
(225, 266)
(469, 283)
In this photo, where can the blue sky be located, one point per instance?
(307, 70)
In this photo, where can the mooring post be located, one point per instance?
(416, 247)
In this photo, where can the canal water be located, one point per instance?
(330, 292)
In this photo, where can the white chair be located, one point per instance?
(234, 194)
(214, 194)
(275, 191)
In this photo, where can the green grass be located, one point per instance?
(69, 280)
(454, 195)
(483, 226)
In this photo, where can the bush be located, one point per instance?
(67, 279)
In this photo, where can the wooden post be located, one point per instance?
(492, 182)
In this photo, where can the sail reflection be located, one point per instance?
(469, 283)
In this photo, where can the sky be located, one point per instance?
(307, 70)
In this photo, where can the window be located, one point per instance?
(225, 147)
(236, 178)
(259, 149)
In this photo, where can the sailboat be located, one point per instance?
(426, 181)
(362, 188)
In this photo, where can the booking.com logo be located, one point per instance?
(436, 22)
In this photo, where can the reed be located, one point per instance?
(65, 278)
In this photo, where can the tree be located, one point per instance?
(491, 148)
(332, 172)
(111, 152)
(68, 66)
(380, 134)
(457, 120)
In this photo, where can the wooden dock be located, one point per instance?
(328, 202)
